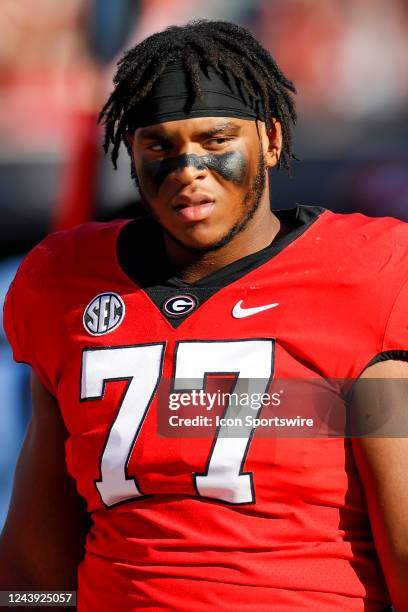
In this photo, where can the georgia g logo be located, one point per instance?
(104, 314)
(179, 305)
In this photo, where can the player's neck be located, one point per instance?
(191, 266)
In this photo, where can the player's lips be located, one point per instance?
(194, 207)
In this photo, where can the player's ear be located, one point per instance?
(129, 139)
(273, 143)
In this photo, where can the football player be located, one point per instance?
(209, 282)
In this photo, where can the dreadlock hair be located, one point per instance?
(226, 48)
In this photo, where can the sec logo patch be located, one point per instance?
(104, 314)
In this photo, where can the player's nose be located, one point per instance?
(189, 168)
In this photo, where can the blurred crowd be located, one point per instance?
(348, 59)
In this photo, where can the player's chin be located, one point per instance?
(200, 236)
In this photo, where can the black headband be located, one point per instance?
(171, 98)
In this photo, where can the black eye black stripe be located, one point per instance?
(231, 166)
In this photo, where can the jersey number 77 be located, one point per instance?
(223, 477)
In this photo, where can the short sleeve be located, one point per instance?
(9, 323)
(396, 331)
(23, 320)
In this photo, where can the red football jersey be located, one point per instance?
(186, 520)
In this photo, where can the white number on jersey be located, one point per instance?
(223, 478)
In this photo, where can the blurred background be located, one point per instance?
(348, 59)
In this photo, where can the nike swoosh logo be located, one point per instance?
(239, 313)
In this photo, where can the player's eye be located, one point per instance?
(219, 140)
(158, 146)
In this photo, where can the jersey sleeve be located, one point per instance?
(396, 331)
(10, 325)
(25, 319)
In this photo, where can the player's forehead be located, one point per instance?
(194, 127)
